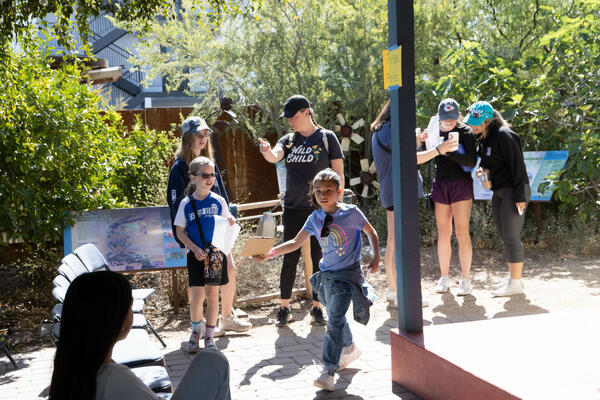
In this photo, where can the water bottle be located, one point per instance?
(266, 226)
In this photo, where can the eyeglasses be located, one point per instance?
(204, 135)
(326, 223)
(206, 176)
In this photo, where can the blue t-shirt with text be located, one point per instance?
(341, 248)
(211, 205)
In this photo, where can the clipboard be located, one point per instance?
(257, 246)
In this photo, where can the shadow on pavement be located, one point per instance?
(465, 310)
(519, 305)
(289, 367)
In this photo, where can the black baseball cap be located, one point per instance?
(294, 104)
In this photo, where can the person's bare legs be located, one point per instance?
(516, 269)
(196, 296)
(212, 304)
(390, 253)
(461, 213)
(443, 217)
(228, 291)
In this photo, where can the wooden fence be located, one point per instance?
(249, 178)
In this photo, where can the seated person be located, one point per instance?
(96, 315)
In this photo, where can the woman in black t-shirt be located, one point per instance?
(452, 192)
(308, 150)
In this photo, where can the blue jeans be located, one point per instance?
(338, 295)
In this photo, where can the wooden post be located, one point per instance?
(308, 268)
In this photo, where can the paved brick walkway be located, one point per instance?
(271, 363)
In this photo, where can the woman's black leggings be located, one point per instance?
(509, 223)
(293, 221)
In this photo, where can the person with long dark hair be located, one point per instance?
(502, 158)
(307, 150)
(195, 142)
(97, 314)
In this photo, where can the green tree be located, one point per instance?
(17, 15)
(60, 153)
(323, 50)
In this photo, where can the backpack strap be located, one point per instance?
(325, 141)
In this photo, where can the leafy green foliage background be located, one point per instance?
(60, 153)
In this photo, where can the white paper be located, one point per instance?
(224, 235)
(433, 133)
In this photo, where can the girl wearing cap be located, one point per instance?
(307, 150)
(502, 157)
(452, 192)
(195, 142)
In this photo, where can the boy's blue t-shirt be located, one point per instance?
(341, 248)
(207, 208)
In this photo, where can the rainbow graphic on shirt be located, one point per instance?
(338, 238)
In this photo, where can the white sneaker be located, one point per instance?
(218, 332)
(442, 285)
(233, 323)
(502, 283)
(349, 354)
(390, 295)
(511, 287)
(464, 287)
(325, 381)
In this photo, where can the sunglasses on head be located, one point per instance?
(326, 223)
(205, 176)
(475, 113)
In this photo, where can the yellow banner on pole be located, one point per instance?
(392, 67)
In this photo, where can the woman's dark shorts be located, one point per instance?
(452, 191)
(195, 270)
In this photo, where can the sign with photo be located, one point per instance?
(131, 239)
(540, 165)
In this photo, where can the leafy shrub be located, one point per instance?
(60, 153)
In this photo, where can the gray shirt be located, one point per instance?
(116, 381)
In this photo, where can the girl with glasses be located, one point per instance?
(195, 142)
(338, 227)
(195, 226)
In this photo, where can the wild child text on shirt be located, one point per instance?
(304, 154)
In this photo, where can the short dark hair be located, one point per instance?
(94, 309)
(326, 175)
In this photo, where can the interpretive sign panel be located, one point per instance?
(129, 238)
(539, 165)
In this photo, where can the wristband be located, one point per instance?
(271, 253)
(438, 150)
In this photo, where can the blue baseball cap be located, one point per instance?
(478, 113)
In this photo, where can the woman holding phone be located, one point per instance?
(502, 159)
(452, 192)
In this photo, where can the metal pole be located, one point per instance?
(404, 166)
